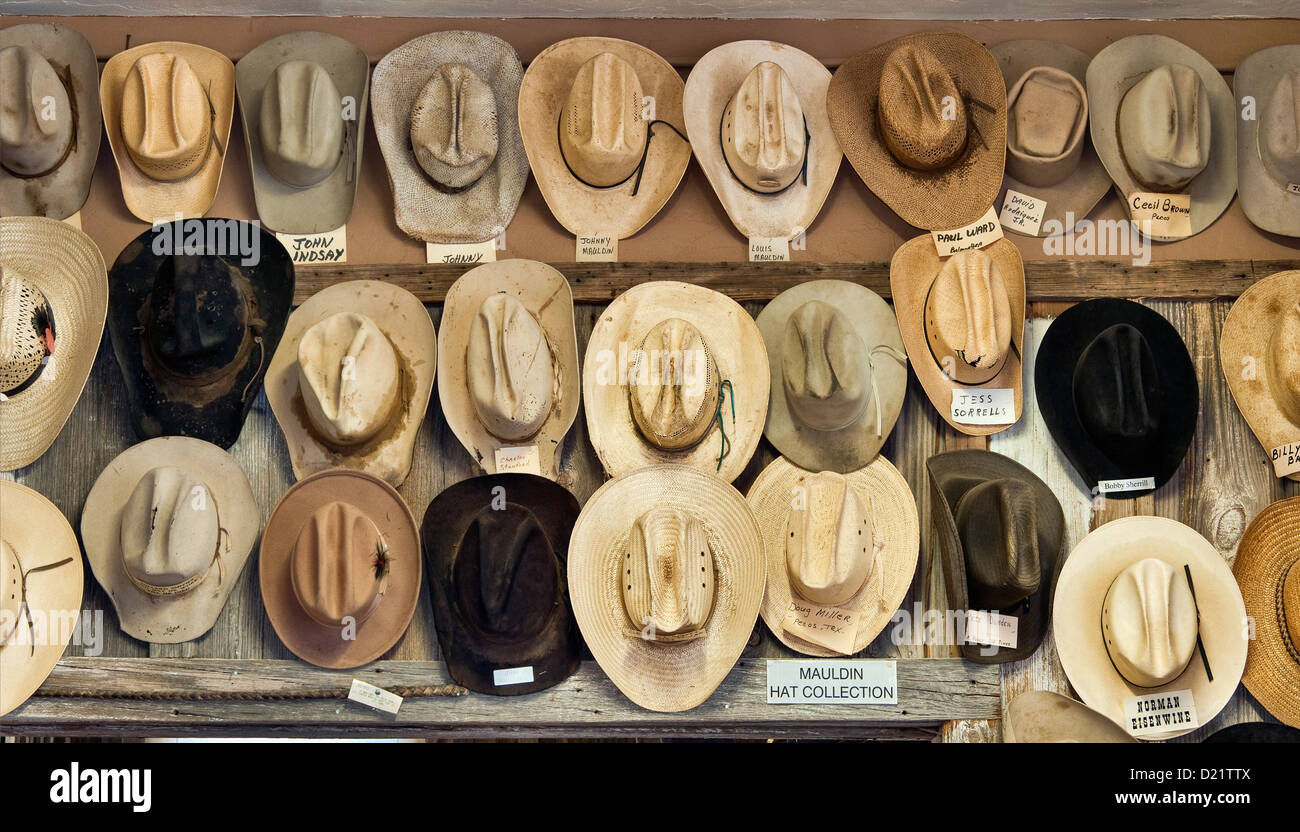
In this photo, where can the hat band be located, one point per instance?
(22, 604)
(1281, 615)
(65, 79)
(803, 169)
(640, 167)
(192, 581)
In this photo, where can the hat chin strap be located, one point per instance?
(172, 590)
(26, 610)
(640, 167)
(875, 388)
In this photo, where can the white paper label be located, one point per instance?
(1160, 713)
(598, 247)
(1022, 212)
(832, 682)
(523, 459)
(984, 406)
(830, 627)
(327, 247)
(1130, 484)
(512, 676)
(978, 234)
(769, 249)
(1292, 187)
(469, 254)
(992, 628)
(377, 698)
(1286, 459)
(74, 220)
(1162, 215)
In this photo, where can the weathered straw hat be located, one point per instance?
(47, 157)
(666, 572)
(756, 115)
(848, 541)
(509, 355)
(1043, 716)
(962, 320)
(675, 373)
(446, 119)
(1268, 145)
(351, 380)
(923, 120)
(167, 111)
(168, 527)
(294, 93)
(1136, 600)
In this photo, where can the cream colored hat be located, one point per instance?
(1043, 716)
(1268, 155)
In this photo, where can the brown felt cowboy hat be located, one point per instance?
(1268, 146)
(1044, 716)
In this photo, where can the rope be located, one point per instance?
(723, 389)
(405, 691)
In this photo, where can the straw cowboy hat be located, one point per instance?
(848, 541)
(923, 120)
(53, 299)
(1268, 146)
(1147, 605)
(1049, 153)
(340, 568)
(509, 355)
(351, 380)
(756, 115)
(1043, 716)
(838, 374)
(675, 373)
(41, 572)
(602, 124)
(1161, 118)
(168, 527)
(167, 110)
(637, 550)
(47, 156)
(963, 321)
(445, 115)
(302, 98)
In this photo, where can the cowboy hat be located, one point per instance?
(295, 92)
(168, 527)
(1268, 146)
(1255, 732)
(167, 110)
(756, 115)
(1161, 118)
(445, 115)
(603, 161)
(923, 120)
(53, 299)
(1135, 602)
(47, 158)
(1118, 393)
(351, 380)
(675, 373)
(955, 343)
(848, 541)
(497, 574)
(1043, 716)
(509, 354)
(340, 568)
(665, 641)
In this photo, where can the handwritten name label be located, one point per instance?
(1162, 215)
(1160, 713)
(1130, 484)
(470, 254)
(978, 234)
(74, 220)
(512, 676)
(327, 247)
(373, 697)
(830, 627)
(992, 628)
(1022, 212)
(523, 459)
(599, 247)
(1293, 188)
(769, 249)
(991, 406)
(832, 682)
(1286, 459)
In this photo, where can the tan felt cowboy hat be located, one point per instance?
(509, 353)
(47, 153)
(341, 568)
(963, 321)
(846, 541)
(53, 301)
(838, 374)
(41, 573)
(675, 373)
(302, 98)
(1161, 118)
(665, 576)
(1147, 605)
(350, 382)
(1268, 145)
(923, 120)
(602, 123)
(167, 110)
(444, 106)
(168, 527)
(1043, 716)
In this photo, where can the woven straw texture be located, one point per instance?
(1266, 553)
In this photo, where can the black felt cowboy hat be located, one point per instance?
(194, 332)
(497, 551)
(1255, 732)
(1118, 392)
(1000, 533)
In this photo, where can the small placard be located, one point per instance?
(978, 234)
(992, 628)
(1286, 459)
(373, 697)
(832, 682)
(469, 254)
(1022, 212)
(523, 459)
(74, 220)
(830, 627)
(980, 406)
(1129, 484)
(599, 247)
(1162, 215)
(1160, 713)
(1292, 188)
(769, 249)
(327, 247)
(512, 676)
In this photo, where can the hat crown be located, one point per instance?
(340, 564)
(1164, 128)
(824, 367)
(1149, 623)
(829, 542)
(1280, 129)
(764, 138)
(1117, 391)
(169, 528)
(668, 579)
(25, 320)
(997, 523)
(349, 376)
(198, 316)
(166, 118)
(1283, 365)
(602, 132)
(509, 369)
(674, 385)
(506, 573)
(454, 126)
(1046, 125)
(11, 592)
(916, 93)
(968, 317)
(301, 123)
(36, 117)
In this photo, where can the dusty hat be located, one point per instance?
(168, 527)
(838, 374)
(1255, 732)
(848, 541)
(340, 568)
(1147, 605)
(963, 321)
(41, 573)
(352, 377)
(497, 548)
(167, 110)
(47, 157)
(509, 352)
(193, 332)
(923, 120)
(1118, 392)
(1043, 716)
(602, 123)
(675, 373)
(446, 119)
(1268, 145)
(756, 115)
(53, 299)
(640, 544)
(302, 97)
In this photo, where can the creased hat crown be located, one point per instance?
(1117, 391)
(1284, 363)
(1279, 133)
(509, 369)
(36, 118)
(26, 332)
(170, 528)
(830, 542)
(667, 576)
(1047, 123)
(506, 573)
(824, 367)
(763, 133)
(674, 385)
(602, 131)
(968, 317)
(1149, 623)
(454, 126)
(997, 522)
(340, 565)
(349, 376)
(166, 117)
(1164, 128)
(301, 123)
(920, 111)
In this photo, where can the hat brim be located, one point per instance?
(1267, 202)
(1042, 716)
